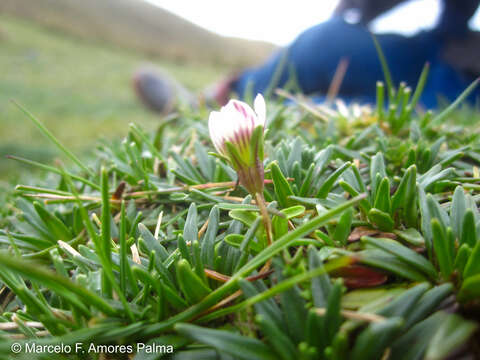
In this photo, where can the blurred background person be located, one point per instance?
(312, 59)
(70, 62)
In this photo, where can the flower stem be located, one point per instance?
(267, 223)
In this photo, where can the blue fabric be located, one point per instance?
(455, 15)
(315, 55)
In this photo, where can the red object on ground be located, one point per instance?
(359, 276)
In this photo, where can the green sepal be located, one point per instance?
(234, 156)
(219, 156)
(256, 145)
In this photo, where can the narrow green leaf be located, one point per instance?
(184, 249)
(226, 206)
(411, 236)
(386, 261)
(405, 254)
(106, 224)
(236, 240)
(377, 167)
(428, 303)
(472, 268)
(297, 176)
(206, 164)
(330, 181)
(452, 333)
(191, 285)
(307, 181)
(145, 277)
(190, 231)
(442, 248)
(53, 170)
(62, 286)
(408, 181)
(208, 242)
(293, 307)
(228, 342)
(456, 103)
(437, 212)
(468, 230)
(408, 346)
(282, 187)
(54, 224)
(126, 276)
(53, 139)
(380, 99)
(282, 344)
(381, 219)
(268, 308)
(382, 198)
(364, 204)
(333, 318)
(320, 285)
(406, 302)
(279, 226)
(199, 268)
(426, 221)
(316, 330)
(173, 298)
(152, 244)
(420, 85)
(343, 228)
(463, 254)
(372, 342)
(385, 69)
(245, 217)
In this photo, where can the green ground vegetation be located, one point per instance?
(375, 234)
(80, 88)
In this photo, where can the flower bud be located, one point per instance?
(237, 134)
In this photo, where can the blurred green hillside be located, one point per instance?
(78, 88)
(140, 26)
(70, 63)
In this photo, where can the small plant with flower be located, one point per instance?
(376, 235)
(237, 133)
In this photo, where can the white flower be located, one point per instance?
(237, 134)
(235, 123)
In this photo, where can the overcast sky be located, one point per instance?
(280, 21)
